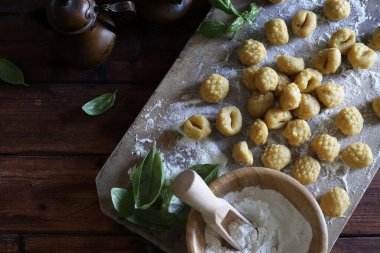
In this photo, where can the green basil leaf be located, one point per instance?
(252, 14)
(166, 195)
(10, 73)
(121, 201)
(213, 29)
(148, 181)
(236, 25)
(208, 172)
(226, 6)
(100, 104)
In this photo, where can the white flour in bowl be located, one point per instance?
(278, 225)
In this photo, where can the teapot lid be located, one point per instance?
(72, 16)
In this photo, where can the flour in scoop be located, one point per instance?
(278, 226)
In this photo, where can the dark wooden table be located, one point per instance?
(50, 151)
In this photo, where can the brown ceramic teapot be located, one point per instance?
(85, 33)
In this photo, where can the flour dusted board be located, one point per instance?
(177, 98)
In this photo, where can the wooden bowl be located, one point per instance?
(265, 178)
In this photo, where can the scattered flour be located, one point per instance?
(278, 225)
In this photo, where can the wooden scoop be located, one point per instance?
(216, 212)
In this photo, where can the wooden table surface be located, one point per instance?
(50, 151)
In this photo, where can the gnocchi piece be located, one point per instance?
(276, 32)
(327, 61)
(376, 106)
(197, 127)
(259, 104)
(361, 57)
(251, 52)
(343, 39)
(276, 1)
(306, 170)
(336, 9)
(283, 80)
(214, 88)
(304, 23)
(330, 94)
(241, 154)
(308, 108)
(350, 121)
(335, 202)
(308, 80)
(297, 132)
(357, 155)
(291, 97)
(277, 118)
(276, 156)
(290, 65)
(375, 40)
(258, 132)
(266, 80)
(229, 121)
(249, 77)
(326, 147)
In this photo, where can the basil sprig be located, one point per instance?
(215, 28)
(10, 73)
(100, 104)
(147, 204)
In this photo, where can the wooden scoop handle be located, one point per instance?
(191, 189)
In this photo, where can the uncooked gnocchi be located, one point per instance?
(197, 127)
(361, 57)
(214, 88)
(326, 147)
(306, 170)
(229, 121)
(266, 80)
(290, 65)
(335, 202)
(276, 32)
(276, 156)
(283, 80)
(308, 80)
(336, 9)
(277, 118)
(258, 132)
(376, 106)
(350, 121)
(291, 97)
(297, 132)
(249, 77)
(251, 52)
(343, 39)
(308, 108)
(259, 104)
(375, 41)
(330, 94)
(241, 154)
(357, 155)
(327, 61)
(304, 23)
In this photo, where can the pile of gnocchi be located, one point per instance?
(298, 101)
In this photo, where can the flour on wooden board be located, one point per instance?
(360, 87)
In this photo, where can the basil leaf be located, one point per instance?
(167, 195)
(100, 104)
(236, 25)
(148, 180)
(213, 29)
(121, 201)
(226, 6)
(208, 172)
(252, 14)
(10, 73)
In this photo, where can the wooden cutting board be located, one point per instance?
(177, 97)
